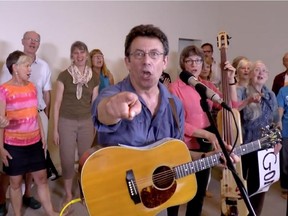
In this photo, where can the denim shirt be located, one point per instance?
(252, 128)
(144, 129)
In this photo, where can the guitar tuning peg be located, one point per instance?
(228, 38)
(267, 128)
(264, 130)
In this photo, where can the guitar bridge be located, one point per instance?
(132, 187)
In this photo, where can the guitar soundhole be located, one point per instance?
(163, 177)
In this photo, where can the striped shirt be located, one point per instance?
(21, 110)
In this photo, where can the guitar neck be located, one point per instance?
(210, 161)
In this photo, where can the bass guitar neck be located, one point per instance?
(232, 203)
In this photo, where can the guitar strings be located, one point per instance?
(170, 174)
(161, 177)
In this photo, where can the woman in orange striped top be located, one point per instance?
(22, 142)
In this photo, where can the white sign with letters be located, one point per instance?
(269, 169)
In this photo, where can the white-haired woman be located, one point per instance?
(260, 111)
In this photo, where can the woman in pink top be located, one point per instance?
(22, 142)
(196, 120)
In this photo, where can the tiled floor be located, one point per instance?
(274, 204)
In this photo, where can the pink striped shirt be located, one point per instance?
(21, 110)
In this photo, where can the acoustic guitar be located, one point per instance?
(131, 181)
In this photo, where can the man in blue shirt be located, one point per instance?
(136, 111)
(139, 110)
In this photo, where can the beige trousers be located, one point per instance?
(75, 136)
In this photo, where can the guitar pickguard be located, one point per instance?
(153, 197)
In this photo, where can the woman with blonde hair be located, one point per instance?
(261, 110)
(243, 72)
(104, 76)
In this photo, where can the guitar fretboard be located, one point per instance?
(210, 161)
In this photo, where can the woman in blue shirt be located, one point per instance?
(104, 76)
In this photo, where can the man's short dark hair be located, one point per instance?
(149, 31)
(207, 44)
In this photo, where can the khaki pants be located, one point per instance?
(74, 135)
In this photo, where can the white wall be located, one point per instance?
(258, 29)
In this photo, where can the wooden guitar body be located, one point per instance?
(124, 181)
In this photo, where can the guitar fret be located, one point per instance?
(185, 170)
(215, 159)
(191, 168)
(210, 161)
(176, 171)
(199, 165)
(202, 163)
(181, 171)
(247, 148)
(196, 166)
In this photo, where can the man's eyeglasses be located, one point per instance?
(37, 40)
(196, 61)
(140, 54)
(207, 51)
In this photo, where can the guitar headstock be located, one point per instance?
(271, 135)
(223, 40)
